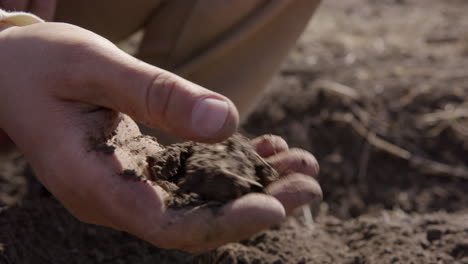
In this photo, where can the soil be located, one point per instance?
(195, 173)
(377, 90)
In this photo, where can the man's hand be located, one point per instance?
(44, 9)
(61, 86)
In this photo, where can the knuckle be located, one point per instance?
(305, 159)
(269, 144)
(271, 137)
(276, 142)
(158, 97)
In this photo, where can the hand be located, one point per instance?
(63, 86)
(44, 9)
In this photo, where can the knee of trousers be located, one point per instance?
(231, 47)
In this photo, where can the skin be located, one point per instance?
(61, 85)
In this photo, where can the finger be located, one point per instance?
(44, 9)
(295, 190)
(268, 145)
(151, 95)
(294, 160)
(14, 5)
(202, 229)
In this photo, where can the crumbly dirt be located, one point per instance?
(42, 231)
(377, 90)
(380, 103)
(195, 173)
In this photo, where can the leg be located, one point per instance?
(113, 19)
(231, 47)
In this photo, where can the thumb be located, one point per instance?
(155, 97)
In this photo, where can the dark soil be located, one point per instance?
(42, 231)
(378, 91)
(196, 173)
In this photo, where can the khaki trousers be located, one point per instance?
(233, 47)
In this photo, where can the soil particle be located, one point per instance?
(197, 173)
(102, 147)
(13, 184)
(460, 251)
(100, 142)
(434, 234)
(131, 175)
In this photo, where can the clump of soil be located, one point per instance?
(196, 173)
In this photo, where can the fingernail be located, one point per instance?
(209, 116)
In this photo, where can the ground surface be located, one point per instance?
(378, 91)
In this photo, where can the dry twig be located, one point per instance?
(425, 165)
(337, 89)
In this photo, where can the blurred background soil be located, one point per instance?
(378, 91)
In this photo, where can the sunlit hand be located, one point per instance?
(62, 86)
